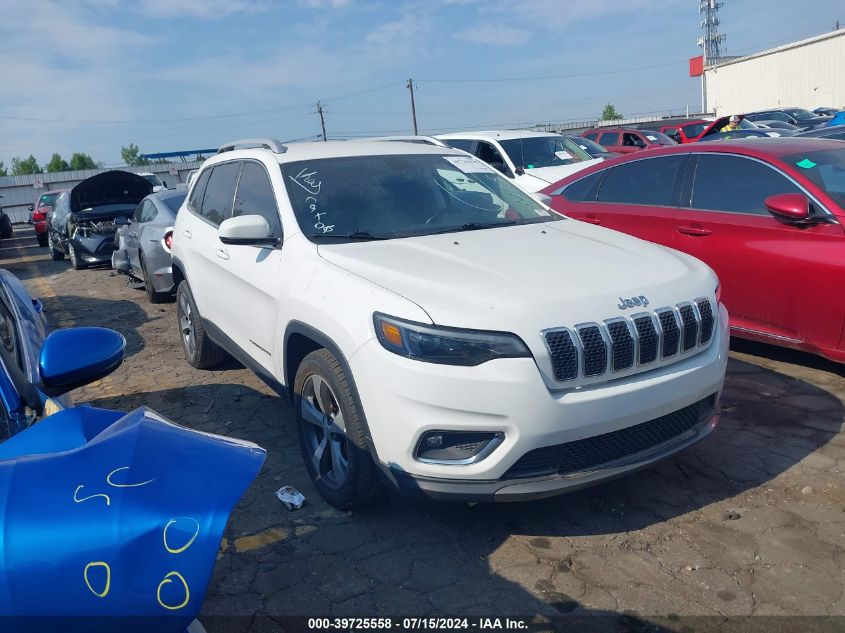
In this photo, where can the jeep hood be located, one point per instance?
(109, 188)
(525, 278)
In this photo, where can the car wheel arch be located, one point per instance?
(300, 340)
(178, 272)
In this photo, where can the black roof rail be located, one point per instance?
(272, 144)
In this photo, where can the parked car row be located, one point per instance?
(384, 277)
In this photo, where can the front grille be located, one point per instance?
(594, 452)
(595, 350)
(622, 344)
(564, 354)
(690, 324)
(707, 321)
(671, 332)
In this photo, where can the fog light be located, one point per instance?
(456, 447)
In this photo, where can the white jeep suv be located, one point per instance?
(438, 329)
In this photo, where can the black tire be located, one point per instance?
(42, 239)
(360, 485)
(205, 353)
(6, 229)
(75, 262)
(152, 294)
(55, 255)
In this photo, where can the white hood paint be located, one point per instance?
(526, 278)
(541, 177)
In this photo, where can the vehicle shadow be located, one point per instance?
(420, 558)
(786, 355)
(118, 314)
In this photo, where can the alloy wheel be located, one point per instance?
(325, 431)
(186, 326)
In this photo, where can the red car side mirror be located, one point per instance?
(794, 207)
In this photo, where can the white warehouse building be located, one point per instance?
(806, 74)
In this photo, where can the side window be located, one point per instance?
(488, 153)
(592, 136)
(139, 212)
(580, 190)
(459, 143)
(647, 181)
(9, 338)
(735, 184)
(199, 189)
(150, 211)
(632, 140)
(220, 192)
(609, 138)
(255, 196)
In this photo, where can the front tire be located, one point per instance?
(6, 229)
(153, 295)
(55, 255)
(200, 351)
(75, 262)
(332, 434)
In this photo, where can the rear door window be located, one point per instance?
(459, 143)
(609, 138)
(736, 184)
(648, 181)
(255, 197)
(220, 192)
(195, 201)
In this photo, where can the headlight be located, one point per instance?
(447, 346)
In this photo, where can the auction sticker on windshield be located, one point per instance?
(469, 165)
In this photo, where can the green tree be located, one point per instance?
(3, 171)
(82, 161)
(23, 167)
(609, 113)
(131, 155)
(57, 163)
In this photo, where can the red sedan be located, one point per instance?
(39, 214)
(766, 214)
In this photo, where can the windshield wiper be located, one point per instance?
(363, 236)
(473, 226)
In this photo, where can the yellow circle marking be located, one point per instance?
(78, 500)
(186, 545)
(111, 483)
(98, 563)
(168, 580)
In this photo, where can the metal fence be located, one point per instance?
(21, 191)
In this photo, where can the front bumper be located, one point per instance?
(403, 399)
(95, 249)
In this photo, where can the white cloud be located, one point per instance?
(204, 9)
(494, 34)
(320, 4)
(401, 38)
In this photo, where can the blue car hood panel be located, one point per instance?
(112, 514)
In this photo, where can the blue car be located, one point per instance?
(110, 520)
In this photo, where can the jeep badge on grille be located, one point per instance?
(624, 304)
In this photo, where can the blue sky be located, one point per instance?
(92, 75)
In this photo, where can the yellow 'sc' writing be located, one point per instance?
(111, 483)
(105, 566)
(78, 500)
(167, 579)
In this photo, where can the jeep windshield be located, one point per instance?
(361, 198)
(543, 151)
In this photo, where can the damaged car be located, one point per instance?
(82, 225)
(143, 244)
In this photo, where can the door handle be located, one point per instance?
(222, 253)
(695, 231)
(590, 219)
(187, 233)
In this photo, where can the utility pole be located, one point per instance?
(710, 42)
(322, 119)
(413, 105)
